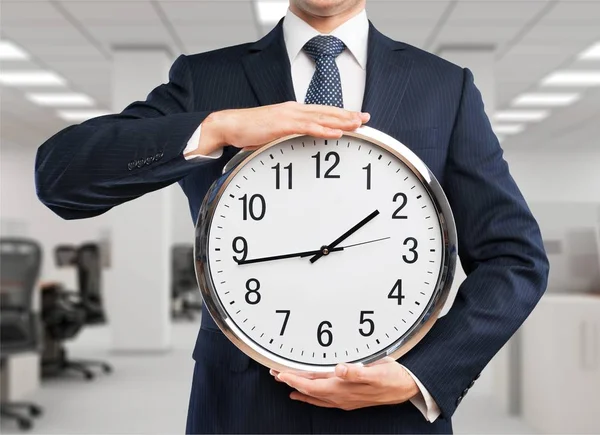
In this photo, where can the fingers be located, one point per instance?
(307, 375)
(327, 127)
(310, 387)
(317, 130)
(358, 373)
(336, 112)
(334, 117)
(385, 360)
(323, 121)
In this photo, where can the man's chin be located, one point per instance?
(325, 8)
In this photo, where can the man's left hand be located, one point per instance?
(353, 386)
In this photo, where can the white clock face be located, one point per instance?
(380, 230)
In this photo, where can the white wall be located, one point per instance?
(563, 192)
(183, 226)
(557, 176)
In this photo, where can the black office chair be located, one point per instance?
(89, 274)
(65, 255)
(66, 312)
(186, 300)
(20, 262)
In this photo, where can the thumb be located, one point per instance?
(352, 373)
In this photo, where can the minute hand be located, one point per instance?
(332, 245)
(280, 257)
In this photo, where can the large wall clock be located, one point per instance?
(310, 252)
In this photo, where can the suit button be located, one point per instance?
(140, 163)
(459, 400)
(471, 384)
(130, 165)
(149, 160)
(158, 156)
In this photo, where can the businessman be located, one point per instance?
(322, 70)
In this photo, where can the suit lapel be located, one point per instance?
(389, 67)
(267, 67)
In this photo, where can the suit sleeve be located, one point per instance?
(86, 169)
(501, 251)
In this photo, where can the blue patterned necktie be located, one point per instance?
(325, 87)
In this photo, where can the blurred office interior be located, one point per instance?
(116, 296)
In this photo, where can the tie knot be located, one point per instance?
(324, 45)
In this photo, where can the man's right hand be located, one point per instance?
(252, 128)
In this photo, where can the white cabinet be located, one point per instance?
(561, 365)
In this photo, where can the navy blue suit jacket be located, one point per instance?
(427, 103)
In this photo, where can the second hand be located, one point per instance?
(341, 248)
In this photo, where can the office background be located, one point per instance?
(537, 64)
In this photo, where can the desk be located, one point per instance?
(561, 365)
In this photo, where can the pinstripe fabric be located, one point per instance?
(427, 103)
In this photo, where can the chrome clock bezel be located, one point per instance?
(396, 349)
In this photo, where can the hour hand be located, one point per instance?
(325, 250)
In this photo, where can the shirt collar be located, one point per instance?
(353, 33)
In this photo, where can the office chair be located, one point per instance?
(66, 312)
(20, 262)
(65, 255)
(184, 287)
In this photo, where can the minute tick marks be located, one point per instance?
(259, 229)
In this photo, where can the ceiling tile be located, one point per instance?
(495, 11)
(209, 12)
(574, 12)
(530, 68)
(476, 34)
(508, 90)
(94, 12)
(548, 34)
(406, 11)
(76, 50)
(410, 34)
(128, 34)
(546, 48)
(27, 12)
(48, 33)
(219, 34)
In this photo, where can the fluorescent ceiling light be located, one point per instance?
(31, 78)
(546, 100)
(521, 115)
(67, 99)
(592, 52)
(80, 115)
(269, 12)
(573, 78)
(10, 51)
(508, 128)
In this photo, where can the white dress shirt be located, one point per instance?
(352, 64)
